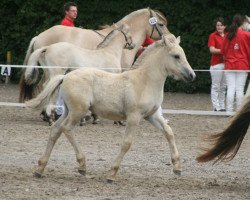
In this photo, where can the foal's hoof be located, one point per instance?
(37, 175)
(96, 121)
(177, 172)
(82, 172)
(82, 123)
(110, 180)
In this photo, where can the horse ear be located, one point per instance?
(166, 40)
(125, 27)
(116, 26)
(178, 39)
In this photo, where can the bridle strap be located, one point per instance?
(126, 39)
(155, 26)
(99, 33)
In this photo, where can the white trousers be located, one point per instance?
(218, 86)
(235, 86)
(59, 104)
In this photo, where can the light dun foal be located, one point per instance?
(132, 95)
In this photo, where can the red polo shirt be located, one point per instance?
(237, 51)
(148, 41)
(67, 22)
(216, 40)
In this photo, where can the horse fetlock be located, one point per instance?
(82, 171)
(37, 174)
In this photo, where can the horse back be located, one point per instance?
(84, 38)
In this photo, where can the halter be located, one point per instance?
(126, 39)
(154, 22)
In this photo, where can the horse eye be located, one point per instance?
(176, 56)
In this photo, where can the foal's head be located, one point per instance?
(123, 29)
(175, 60)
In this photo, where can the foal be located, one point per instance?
(132, 96)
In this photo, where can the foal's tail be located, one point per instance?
(227, 143)
(44, 97)
(30, 75)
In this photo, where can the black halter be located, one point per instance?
(155, 26)
(126, 39)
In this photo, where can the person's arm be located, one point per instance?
(214, 50)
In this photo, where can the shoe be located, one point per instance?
(222, 110)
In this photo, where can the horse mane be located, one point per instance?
(141, 11)
(171, 43)
(107, 39)
(145, 53)
(162, 16)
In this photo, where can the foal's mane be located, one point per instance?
(145, 53)
(108, 38)
(171, 41)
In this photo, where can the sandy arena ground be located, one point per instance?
(146, 171)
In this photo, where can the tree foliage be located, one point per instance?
(191, 19)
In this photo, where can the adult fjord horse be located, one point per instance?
(142, 22)
(132, 95)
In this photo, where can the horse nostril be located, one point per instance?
(192, 76)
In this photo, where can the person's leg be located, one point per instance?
(216, 77)
(241, 78)
(230, 80)
(223, 88)
(59, 105)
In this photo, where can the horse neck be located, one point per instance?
(153, 67)
(115, 46)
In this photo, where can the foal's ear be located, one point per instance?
(178, 39)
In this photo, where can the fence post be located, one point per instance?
(8, 57)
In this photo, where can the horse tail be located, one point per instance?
(31, 73)
(228, 142)
(30, 50)
(44, 97)
(29, 76)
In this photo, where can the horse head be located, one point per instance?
(125, 30)
(175, 59)
(158, 23)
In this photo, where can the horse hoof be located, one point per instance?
(82, 124)
(37, 175)
(177, 172)
(110, 180)
(122, 123)
(82, 172)
(96, 121)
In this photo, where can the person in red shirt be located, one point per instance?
(148, 40)
(70, 10)
(236, 51)
(218, 86)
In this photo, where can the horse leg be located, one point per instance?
(127, 141)
(42, 162)
(95, 119)
(80, 156)
(159, 122)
